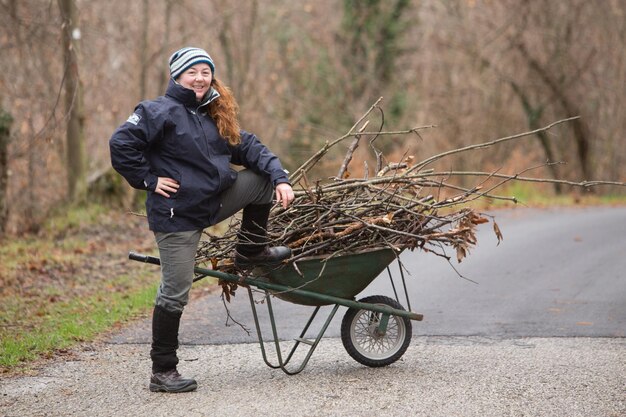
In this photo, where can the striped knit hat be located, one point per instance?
(185, 58)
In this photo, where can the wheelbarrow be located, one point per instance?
(375, 331)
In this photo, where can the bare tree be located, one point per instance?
(5, 133)
(143, 50)
(546, 53)
(238, 43)
(75, 138)
(558, 89)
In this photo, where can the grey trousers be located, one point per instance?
(178, 250)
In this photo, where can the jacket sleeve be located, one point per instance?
(252, 154)
(128, 145)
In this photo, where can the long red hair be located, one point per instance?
(224, 111)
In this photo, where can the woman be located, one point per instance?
(179, 148)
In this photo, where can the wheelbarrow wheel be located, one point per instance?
(363, 339)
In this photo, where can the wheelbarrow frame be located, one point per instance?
(322, 299)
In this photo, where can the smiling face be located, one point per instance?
(197, 78)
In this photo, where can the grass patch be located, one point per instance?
(35, 328)
(57, 326)
(534, 195)
(71, 282)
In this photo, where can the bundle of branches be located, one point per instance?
(405, 205)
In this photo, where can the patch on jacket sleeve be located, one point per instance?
(134, 119)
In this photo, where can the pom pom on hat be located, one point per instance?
(185, 58)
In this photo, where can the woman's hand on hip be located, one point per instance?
(284, 194)
(165, 186)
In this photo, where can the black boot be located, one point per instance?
(171, 381)
(165, 377)
(252, 249)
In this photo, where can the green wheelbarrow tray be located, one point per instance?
(342, 276)
(375, 331)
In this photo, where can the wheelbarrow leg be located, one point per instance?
(313, 345)
(301, 338)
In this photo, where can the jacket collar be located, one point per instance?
(187, 96)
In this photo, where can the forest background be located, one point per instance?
(303, 71)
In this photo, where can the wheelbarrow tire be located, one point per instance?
(358, 334)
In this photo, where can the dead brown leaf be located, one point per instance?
(498, 232)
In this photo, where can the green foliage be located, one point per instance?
(372, 30)
(397, 105)
(5, 123)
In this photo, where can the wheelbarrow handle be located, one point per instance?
(144, 258)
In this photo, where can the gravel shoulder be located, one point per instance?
(438, 376)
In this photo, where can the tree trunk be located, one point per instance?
(582, 135)
(5, 133)
(533, 114)
(167, 29)
(143, 53)
(75, 138)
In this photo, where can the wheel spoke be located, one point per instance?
(366, 324)
(362, 337)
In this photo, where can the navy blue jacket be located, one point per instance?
(172, 136)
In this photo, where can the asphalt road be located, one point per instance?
(542, 333)
(558, 272)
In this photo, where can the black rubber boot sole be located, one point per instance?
(281, 253)
(181, 388)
